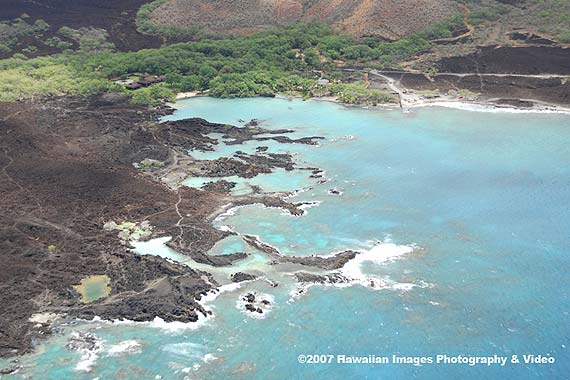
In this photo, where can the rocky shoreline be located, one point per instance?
(79, 165)
(70, 166)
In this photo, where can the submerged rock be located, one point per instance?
(9, 370)
(252, 123)
(83, 341)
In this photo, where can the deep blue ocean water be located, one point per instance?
(477, 203)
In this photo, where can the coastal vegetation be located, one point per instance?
(289, 60)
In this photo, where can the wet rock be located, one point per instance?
(315, 172)
(271, 201)
(252, 123)
(256, 303)
(250, 307)
(186, 244)
(240, 277)
(84, 341)
(221, 186)
(226, 167)
(9, 370)
(263, 247)
(332, 278)
(323, 262)
(270, 160)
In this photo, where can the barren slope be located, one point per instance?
(388, 18)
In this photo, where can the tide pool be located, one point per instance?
(472, 207)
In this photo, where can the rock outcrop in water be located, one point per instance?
(322, 262)
(241, 277)
(324, 279)
(255, 303)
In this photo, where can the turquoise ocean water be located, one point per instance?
(472, 207)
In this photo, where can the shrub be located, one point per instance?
(58, 43)
(564, 37)
(90, 40)
(153, 95)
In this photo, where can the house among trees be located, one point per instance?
(145, 81)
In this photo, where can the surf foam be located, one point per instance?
(126, 347)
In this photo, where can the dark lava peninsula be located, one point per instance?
(69, 168)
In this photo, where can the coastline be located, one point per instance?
(321, 264)
(187, 95)
(480, 105)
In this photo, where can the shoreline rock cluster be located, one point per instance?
(254, 303)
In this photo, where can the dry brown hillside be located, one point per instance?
(388, 18)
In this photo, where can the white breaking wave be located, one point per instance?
(209, 358)
(212, 295)
(490, 108)
(187, 349)
(126, 347)
(347, 137)
(379, 254)
(89, 346)
(351, 273)
(170, 327)
(229, 212)
(241, 302)
(307, 205)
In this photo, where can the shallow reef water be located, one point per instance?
(463, 221)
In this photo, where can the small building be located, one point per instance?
(145, 81)
(134, 86)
